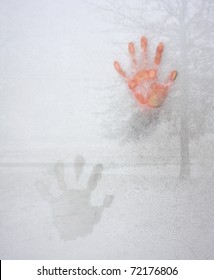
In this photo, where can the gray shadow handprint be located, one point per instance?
(73, 214)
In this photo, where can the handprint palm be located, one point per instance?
(144, 82)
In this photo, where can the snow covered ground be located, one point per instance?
(153, 214)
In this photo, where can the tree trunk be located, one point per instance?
(184, 147)
(184, 100)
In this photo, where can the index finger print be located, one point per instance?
(158, 53)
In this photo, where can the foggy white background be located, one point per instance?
(52, 55)
(60, 97)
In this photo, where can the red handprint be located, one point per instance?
(144, 82)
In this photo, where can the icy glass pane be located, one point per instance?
(88, 168)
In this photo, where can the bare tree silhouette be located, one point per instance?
(187, 27)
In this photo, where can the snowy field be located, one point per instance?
(85, 173)
(150, 218)
(153, 214)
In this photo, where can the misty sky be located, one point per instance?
(53, 56)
